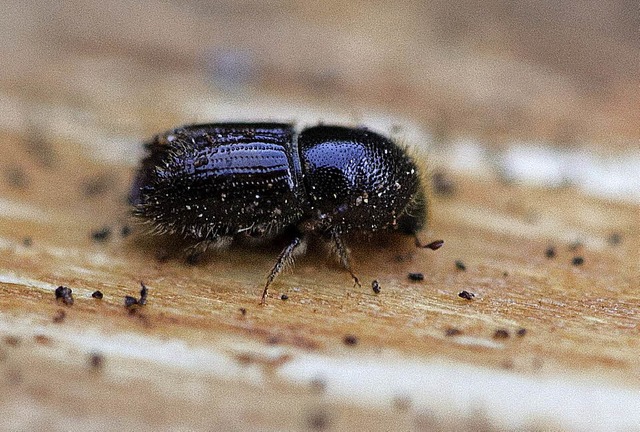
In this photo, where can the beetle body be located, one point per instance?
(214, 182)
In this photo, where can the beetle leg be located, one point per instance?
(340, 249)
(285, 259)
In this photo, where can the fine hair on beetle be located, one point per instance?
(214, 183)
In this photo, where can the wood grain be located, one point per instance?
(579, 320)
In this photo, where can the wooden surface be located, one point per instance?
(544, 344)
(191, 349)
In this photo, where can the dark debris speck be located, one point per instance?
(284, 297)
(501, 334)
(466, 295)
(97, 295)
(125, 231)
(12, 341)
(416, 277)
(96, 186)
(130, 301)
(318, 420)
(143, 294)
(614, 239)
(96, 361)
(550, 252)
(42, 339)
(375, 286)
(521, 332)
(577, 261)
(243, 311)
(318, 385)
(65, 294)
(443, 185)
(101, 235)
(460, 265)
(452, 331)
(41, 150)
(27, 242)
(350, 340)
(16, 178)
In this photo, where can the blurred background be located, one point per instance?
(538, 81)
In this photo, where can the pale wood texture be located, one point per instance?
(192, 359)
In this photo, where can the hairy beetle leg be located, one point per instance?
(340, 249)
(285, 259)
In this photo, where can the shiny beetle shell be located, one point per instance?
(214, 182)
